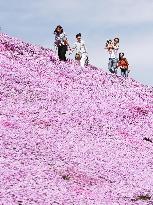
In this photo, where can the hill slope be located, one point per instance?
(71, 135)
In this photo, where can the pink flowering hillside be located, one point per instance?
(71, 135)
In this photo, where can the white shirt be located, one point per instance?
(113, 53)
(80, 47)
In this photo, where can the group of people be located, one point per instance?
(62, 44)
(116, 62)
(81, 55)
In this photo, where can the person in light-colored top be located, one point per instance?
(61, 42)
(112, 48)
(81, 52)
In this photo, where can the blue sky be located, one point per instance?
(132, 21)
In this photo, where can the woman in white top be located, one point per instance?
(81, 51)
(61, 42)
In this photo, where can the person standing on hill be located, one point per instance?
(81, 52)
(112, 48)
(123, 65)
(61, 42)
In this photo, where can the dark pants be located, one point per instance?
(112, 65)
(62, 52)
(124, 72)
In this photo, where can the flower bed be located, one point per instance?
(71, 135)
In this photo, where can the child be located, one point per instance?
(123, 65)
